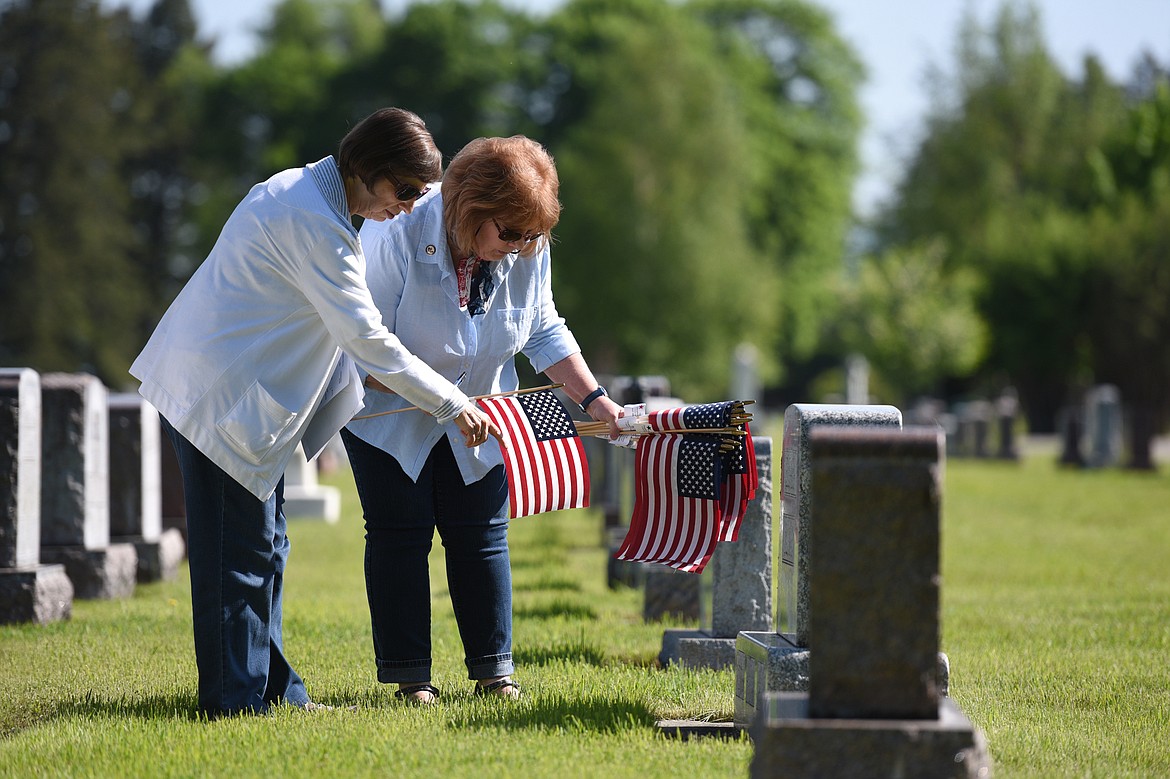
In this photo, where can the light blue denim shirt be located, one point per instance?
(411, 275)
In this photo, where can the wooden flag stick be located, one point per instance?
(473, 397)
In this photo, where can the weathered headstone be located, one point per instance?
(29, 591)
(1103, 426)
(874, 706)
(136, 488)
(856, 380)
(770, 661)
(304, 497)
(75, 529)
(740, 575)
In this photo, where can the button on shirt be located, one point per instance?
(411, 275)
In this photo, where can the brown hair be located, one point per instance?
(390, 141)
(512, 180)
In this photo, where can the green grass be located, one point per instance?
(1056, 618)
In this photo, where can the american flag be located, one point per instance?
(676, 519)
(700, 415)
(544, 458)
(739, 486)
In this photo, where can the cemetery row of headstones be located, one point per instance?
(859, 583)
(1090, 432)
(80, 495)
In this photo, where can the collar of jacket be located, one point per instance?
(327, 176)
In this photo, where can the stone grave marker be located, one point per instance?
(304, 497)
(29, 591)
(770, 661)
(1103, 432)
(136, 488)
(874, 706)
(75, 512)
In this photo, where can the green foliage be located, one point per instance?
(914, 320)
(796, 83)
(1015, 160)
(653, 264)
(69, 295)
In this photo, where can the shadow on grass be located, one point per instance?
(570, 652)
(547, 583)
(591, 715)
(180, 706)
(557, 608)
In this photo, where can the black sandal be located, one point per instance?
(408, 692)
(497, 688)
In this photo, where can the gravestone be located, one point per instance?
(75, 512)
(136, 488)
(874, 705)
(740, 574)
(1103, 432)
(304, 498)
(29, 591)
(771, 661)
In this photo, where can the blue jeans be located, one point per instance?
(401, 517)
(237, 546)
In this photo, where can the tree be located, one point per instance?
(796, 80)
(915, 321)
(654, 267)
(69, 117)
(1001, 175)
(1129, 309)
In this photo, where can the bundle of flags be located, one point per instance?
(691, 489)
(695, 471)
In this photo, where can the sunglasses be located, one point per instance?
(508, 235)
(406, 192)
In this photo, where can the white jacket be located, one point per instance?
(248, 359)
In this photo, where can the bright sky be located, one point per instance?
(896, 39)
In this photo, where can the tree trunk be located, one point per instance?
(1141, 438)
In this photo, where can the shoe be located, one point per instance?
(421, 694)
(314, 706)
(501, 688)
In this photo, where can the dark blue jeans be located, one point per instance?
(237, 546)
(401, 518)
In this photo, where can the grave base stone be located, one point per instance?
(159, 560)
(772, 662)
(304, 498)
(97, 574)
(788, 742)
(39, 594)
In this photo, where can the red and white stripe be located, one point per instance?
(542, 475)
(665, 527)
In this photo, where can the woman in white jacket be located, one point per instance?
(257, 354)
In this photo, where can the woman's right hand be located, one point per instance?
(476, 426)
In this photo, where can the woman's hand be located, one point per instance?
(476, 427)
(374, 384)
(605, 410)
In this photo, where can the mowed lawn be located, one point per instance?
(1056, 619)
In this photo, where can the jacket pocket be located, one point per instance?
(256, 423)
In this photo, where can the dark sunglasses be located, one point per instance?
(508, 235)
(406, 192)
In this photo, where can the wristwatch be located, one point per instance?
(592, 396)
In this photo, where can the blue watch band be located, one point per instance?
(592, 396)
